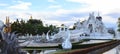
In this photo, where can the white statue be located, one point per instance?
(9, 43)
(47, 37)
(66, 43)
(1, 28)
(43, 35)
(1, 24)
(60, 29)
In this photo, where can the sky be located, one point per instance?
(59, 12)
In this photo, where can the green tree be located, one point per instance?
(15, 26)
(35, 22)
(32, 26)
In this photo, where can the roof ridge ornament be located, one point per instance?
(98, 14)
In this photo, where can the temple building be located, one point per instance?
(92, 25)
(93, 28)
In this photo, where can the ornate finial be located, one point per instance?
(98, 14)
(8, 28)
(6, 19)
(30, 17)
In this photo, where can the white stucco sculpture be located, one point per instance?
(1, 28)
(66, 43)
(47, 37)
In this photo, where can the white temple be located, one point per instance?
(92, 27)
(93, 24)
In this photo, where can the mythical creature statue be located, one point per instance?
(9, 42)
(47, 37)
(66, 44)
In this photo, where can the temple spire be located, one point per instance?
(99, 17)
(98, 14)
(7, 19)
(8, 25)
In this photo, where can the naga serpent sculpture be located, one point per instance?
(9, 42)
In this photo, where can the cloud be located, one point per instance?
(104, 6)
(108, 9)
(14, 15)
(21, 5)
(58, 23)
(109, 21)
(55, 18)
(114, 14)
(75, 15)
(54, 6)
